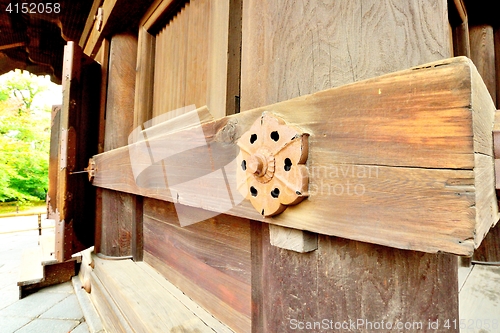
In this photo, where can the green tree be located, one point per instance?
(24, 140)
(24, 87)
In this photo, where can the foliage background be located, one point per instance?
(25, 116)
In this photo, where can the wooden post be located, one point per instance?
(39, 224)
(117, 208)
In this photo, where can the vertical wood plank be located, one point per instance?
(137, 229)
(143, 100)
(483, 55)
(497, 63)
(104, 60)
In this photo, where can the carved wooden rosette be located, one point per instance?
(271, 171)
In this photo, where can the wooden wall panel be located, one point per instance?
(294, 48)
(181, 61)
(346, 280)
(209, 261)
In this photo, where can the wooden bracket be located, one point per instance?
(271, 172)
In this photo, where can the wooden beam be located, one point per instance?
(89, 24)
(118, 16)
(403, 160)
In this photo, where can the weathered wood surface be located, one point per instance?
(144, 302)
(118, 217)
(403, 160)
(293, 239)
(196, 57)
(209, 261)
(73, 204)
(483, 55)
(118, 16)
(346, 280)
(112, 319)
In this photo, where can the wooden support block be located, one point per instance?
(403, 160)
(293, 239)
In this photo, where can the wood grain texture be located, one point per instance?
(489, 250)
(293, 239)
(117, 223)
(414, 175)
(296, 48)
(483, 55)
(118, 208)
(143, 103)
(121, 91)
(181, 61)
(346, 280)
(218, 247)
(136, 303)
(112, 319)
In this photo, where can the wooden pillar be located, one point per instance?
(485, 49)
(294, 49)
(118, 209)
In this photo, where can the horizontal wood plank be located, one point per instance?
(403, 160)
(135, 293)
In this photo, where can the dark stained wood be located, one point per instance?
(346, 280)
(104, 60)
(89, 24)
(490, 247)
(121, 91)
(118, 16)
(497, 63)
(234, 57)
(209, 261)
(117, 223)
(118, 209)
(143, 107)
(423, 158)
(483, 55)
(74, 201)
(457, 15)
(137, 245)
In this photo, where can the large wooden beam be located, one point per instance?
(403, 160)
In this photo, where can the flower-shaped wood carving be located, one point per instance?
(271, 171)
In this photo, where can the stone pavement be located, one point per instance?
(53, 309)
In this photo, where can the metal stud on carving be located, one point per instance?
(272, 174)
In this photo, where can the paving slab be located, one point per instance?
(12, 324)
(68, 308)
(82, 328)
(33, 305)
(41, 325)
